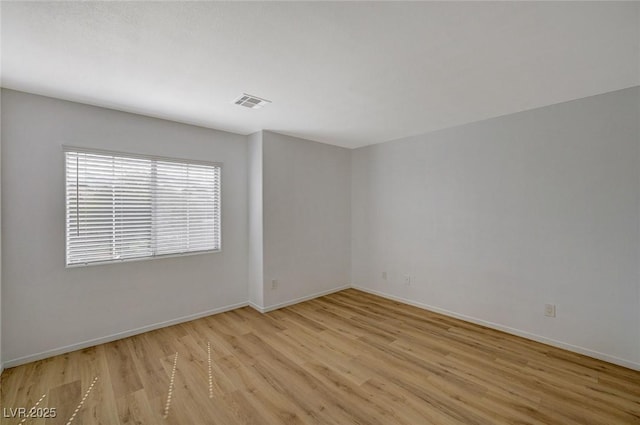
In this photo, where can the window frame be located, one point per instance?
(97, 151)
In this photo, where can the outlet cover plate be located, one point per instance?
(550, 310)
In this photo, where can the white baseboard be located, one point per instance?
(513, 331)
(298, 300)
(256, 307)
(73, 347)
(119, 335)
(559, 344)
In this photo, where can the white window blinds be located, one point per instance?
(121, 207)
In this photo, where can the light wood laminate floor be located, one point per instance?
(346, 358)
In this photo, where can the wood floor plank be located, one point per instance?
(134, 408)
(346, 358)
(65, 398)
(121, 368)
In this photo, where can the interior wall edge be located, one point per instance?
(496, 326)
(120, 335)
(299, 300)
(512, 331)
(109, 338)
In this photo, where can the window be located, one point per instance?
(122, 207)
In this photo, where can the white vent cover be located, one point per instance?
(251, 101)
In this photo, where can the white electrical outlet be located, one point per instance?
(407, 279)
(550, 310)
(384, 275)
(274, 284)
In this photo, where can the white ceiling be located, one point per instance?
(348, 74)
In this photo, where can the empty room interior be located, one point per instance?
(310, 213)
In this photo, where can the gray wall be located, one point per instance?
(307, 217)
(1, 361)
(494, 219)
(45, 306)
(491, 220)
(256, 277)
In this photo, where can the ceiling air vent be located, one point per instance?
(251, 101)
